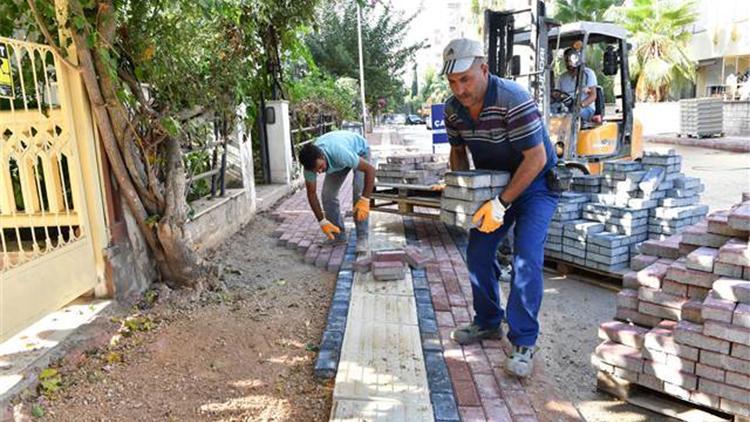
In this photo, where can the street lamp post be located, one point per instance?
(361, 69)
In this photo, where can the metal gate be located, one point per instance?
(48, 254)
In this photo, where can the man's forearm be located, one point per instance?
(369, 184)
(312, 199)
(524, 175)
(458, 159)
(588, 100)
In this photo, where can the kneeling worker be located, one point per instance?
(335, 154)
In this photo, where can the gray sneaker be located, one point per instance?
(521, 362)
(472, 333)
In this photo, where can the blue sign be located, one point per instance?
(437, 116)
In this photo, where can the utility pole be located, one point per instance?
(361, 70)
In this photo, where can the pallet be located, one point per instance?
(700, 135)
(611, 281)
(658, 402)
(406, 198)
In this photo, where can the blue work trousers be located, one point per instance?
(531, 213)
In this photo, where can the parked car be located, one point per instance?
(413, 119)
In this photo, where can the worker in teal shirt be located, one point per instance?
(336, 154)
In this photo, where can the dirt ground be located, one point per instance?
(243, 354)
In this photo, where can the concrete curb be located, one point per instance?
(731, 144)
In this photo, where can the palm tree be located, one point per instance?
(583, 10)
(660, 33)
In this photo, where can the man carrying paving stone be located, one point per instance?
(500, 124)
(335, 154)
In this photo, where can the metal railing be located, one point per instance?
(39, 176)
(206, 159)
(301, 136)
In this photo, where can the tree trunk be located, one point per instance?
(178, 265)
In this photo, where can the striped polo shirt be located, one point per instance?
(508, 124)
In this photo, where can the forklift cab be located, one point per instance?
(524, 45)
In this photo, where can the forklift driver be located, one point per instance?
(562, 96)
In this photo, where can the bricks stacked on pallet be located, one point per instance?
(421, 169)
(574, 242)
(678, 196)
(568, 209)
(694, 290)
(588, 183)
(466, 191)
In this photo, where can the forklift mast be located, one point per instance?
(500, 33)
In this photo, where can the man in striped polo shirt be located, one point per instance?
(499, 123)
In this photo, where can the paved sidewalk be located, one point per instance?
(725, 143)
(482, 390)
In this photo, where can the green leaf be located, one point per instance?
(37, 410)
(312, 347)
(171, 125)
(152, 220)
(48, 373)
(79, 22)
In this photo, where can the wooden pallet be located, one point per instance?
(604, 279)
(406, 198)
(659, 402)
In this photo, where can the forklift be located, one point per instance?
(582, 147)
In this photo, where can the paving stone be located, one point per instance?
(740, 395)
(668, 248)
(660, 297)
(691, 334)
(627, 298)
(732, 289)
(679, 272)
(444, 407)
(636, 317)
(620, 355)
(717, 223)
(672, 375)
(625, 334)
(661, 338)
(727, 331)
(739, 217)
(698, 234)
(717, 309)
(702, 259)
(692, 311)
(640, 262)
(741, 316)
(652, 275)
(659, 311)
(736, 408)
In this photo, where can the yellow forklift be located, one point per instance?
(528, 37)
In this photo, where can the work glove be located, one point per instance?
(490, 215)
(329, 228)
(362, 209)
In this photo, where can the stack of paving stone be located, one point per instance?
(634, 201)
(701, 117)
(684, 317)
(568, 209)
(678, 197)
(466, 191)
(421, 169)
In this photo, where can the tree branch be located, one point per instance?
(48, 36)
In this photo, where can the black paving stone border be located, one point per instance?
(327, 362)
(444, 405)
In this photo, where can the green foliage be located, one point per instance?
(567, 11)
(334, 49)
(661, 37)
(318, 92)
(50, 382)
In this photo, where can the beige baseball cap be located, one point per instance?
(459, 54)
